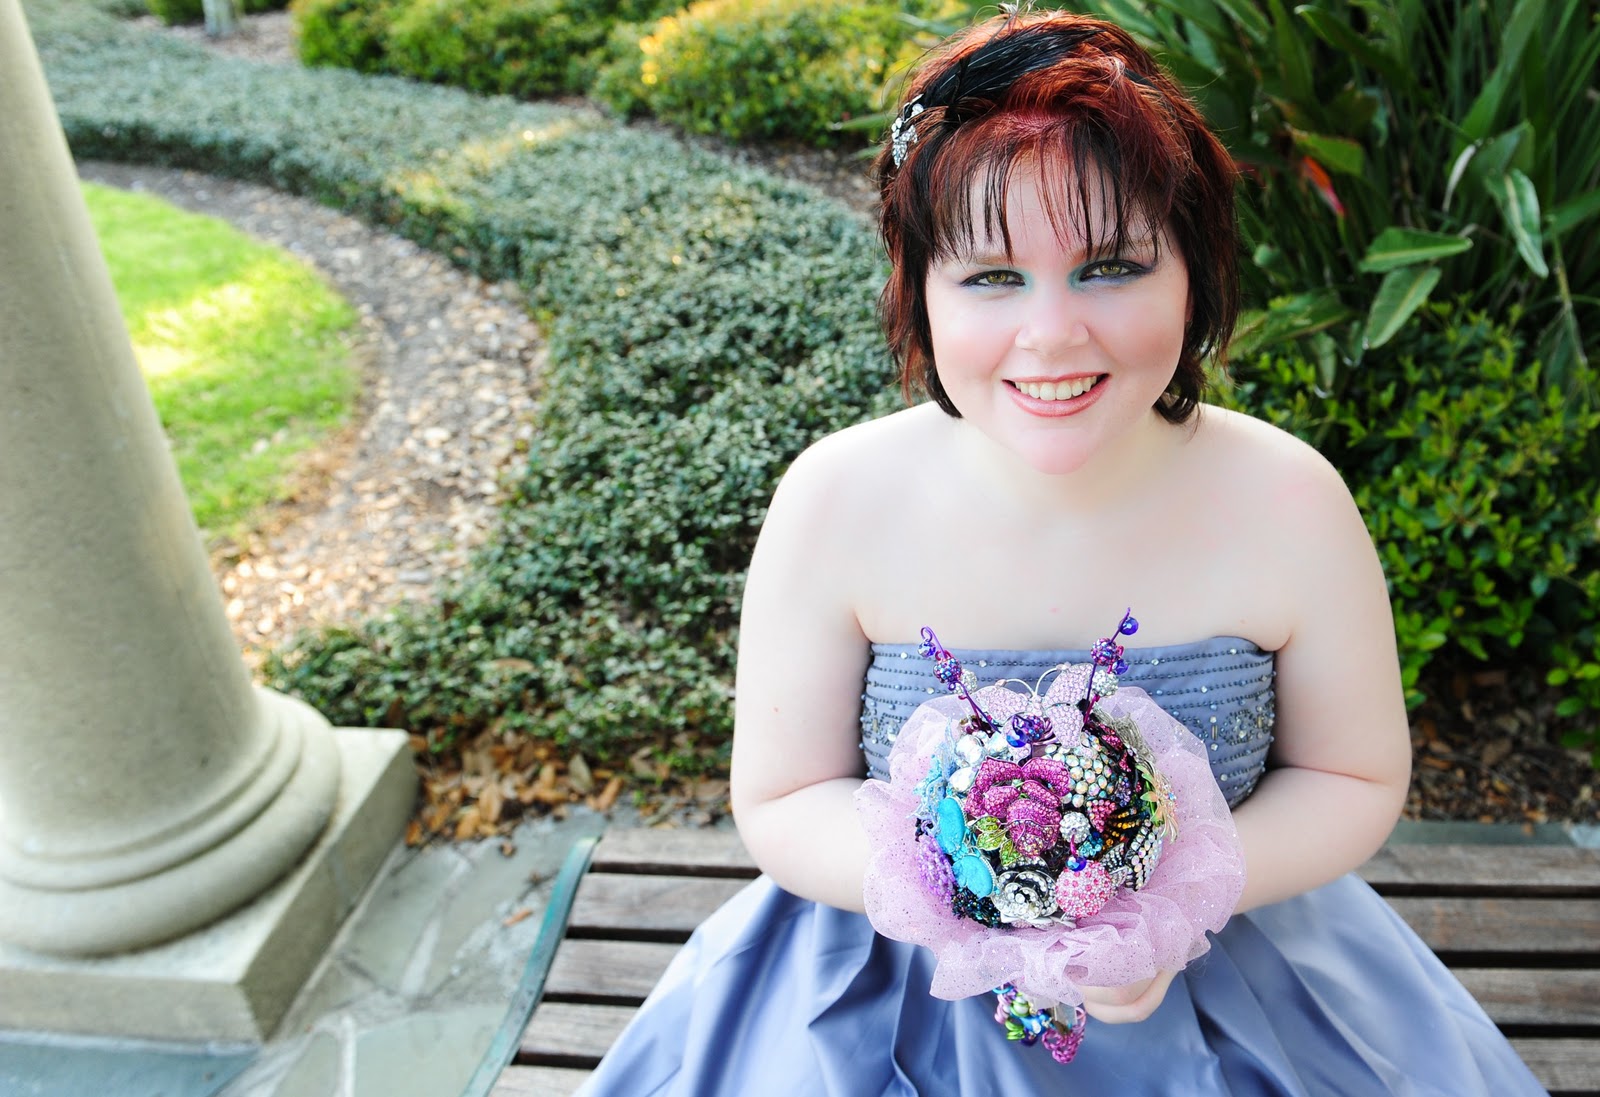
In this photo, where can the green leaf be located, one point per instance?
(1514, 193)
(1342, 37)
(1519, 28)
(1290, 318)
(1338, 154)
(1201, 14)
(1248, 18)
(1294, 63)
(1397, 247)
(1573, 212)
(1504, 151)
(1400, 294)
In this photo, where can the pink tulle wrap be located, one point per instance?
(1194, 887)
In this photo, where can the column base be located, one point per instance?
(234, 979)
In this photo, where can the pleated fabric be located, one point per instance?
(1328, 994)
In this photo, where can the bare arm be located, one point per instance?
(1342, 760)
(796, 758)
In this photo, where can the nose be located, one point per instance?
(1051, 323)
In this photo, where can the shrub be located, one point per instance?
(343, 33)
(1472, 472)
(193, 11)
(766, 69)
(517, 47)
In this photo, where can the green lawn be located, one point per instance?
(246, 350)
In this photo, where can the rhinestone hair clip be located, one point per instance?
(902, 135)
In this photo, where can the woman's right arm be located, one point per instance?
(796, 756)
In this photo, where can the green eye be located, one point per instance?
(1111, 268)
(994, 278)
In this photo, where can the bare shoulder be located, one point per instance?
(1277, 479)
(849, 474)
(856, 453)
(1261, 452)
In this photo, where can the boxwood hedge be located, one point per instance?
(705, 323)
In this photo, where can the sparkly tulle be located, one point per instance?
(1328, 994)
(1160, 927)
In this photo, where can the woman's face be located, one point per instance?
(1056, 353)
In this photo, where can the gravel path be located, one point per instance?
(400, 499)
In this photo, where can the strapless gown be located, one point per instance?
(1327, 994)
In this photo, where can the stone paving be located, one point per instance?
(406, 1004)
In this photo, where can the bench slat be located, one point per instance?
(649, 904)
(691, 852)
(1563, 1066)
(1501, 868)
(1529, 926)
(1535, 996)
(569, 1029)
(519, 1081)
(611, 969)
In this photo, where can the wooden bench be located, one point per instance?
(1519, 925)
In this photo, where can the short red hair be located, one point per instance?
(1055, 88)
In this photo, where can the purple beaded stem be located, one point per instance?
(1107, 654)
(947, 668)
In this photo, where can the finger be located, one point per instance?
(1123, 995)
(1129, 1012)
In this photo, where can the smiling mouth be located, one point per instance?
(1057, 390)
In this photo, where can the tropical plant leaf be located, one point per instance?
(1519, 29)
(1247, 16)
(1519, 204)
(1289, 318)
(1400, 294)
(1573, 212)
(1198, 12)
(1335, 153)
(1294, 62)
(1341, 36)
(1397, 247)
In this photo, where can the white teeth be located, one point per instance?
(1057, 390)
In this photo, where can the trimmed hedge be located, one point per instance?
(697, 342)
(705, 323)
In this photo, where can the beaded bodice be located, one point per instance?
(1220, 689)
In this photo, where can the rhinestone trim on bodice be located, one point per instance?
(1220, 689)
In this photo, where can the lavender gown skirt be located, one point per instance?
(1327, 994)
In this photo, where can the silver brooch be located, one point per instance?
(902, 135)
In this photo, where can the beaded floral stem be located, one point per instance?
(1107, 654)
(947, 669)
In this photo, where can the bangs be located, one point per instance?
(1096, 200)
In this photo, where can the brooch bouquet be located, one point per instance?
(1045, 838)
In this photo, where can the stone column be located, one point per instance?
(146, 788)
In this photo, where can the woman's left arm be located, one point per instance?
(1341, 762)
